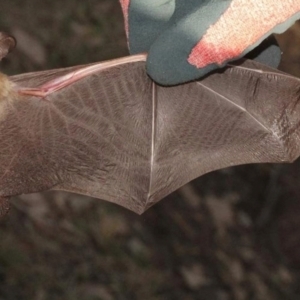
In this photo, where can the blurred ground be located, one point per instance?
(232, 234)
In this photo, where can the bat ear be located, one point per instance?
(7, 43)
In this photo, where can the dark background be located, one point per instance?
(231, 234)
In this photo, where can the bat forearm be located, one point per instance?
(68, 79)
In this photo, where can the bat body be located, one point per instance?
(107, 130)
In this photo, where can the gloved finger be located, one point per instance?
(145, 20)
(238, 27)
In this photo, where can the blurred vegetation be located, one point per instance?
(231, 234)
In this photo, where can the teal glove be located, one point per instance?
(186, 39)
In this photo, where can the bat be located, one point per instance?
(108, 131)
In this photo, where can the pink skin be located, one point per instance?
(63, 81)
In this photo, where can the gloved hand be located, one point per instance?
(186, 39)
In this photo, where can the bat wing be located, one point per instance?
(118, 136)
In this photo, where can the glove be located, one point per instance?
(186, 39)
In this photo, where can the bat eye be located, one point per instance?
(7, 43)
